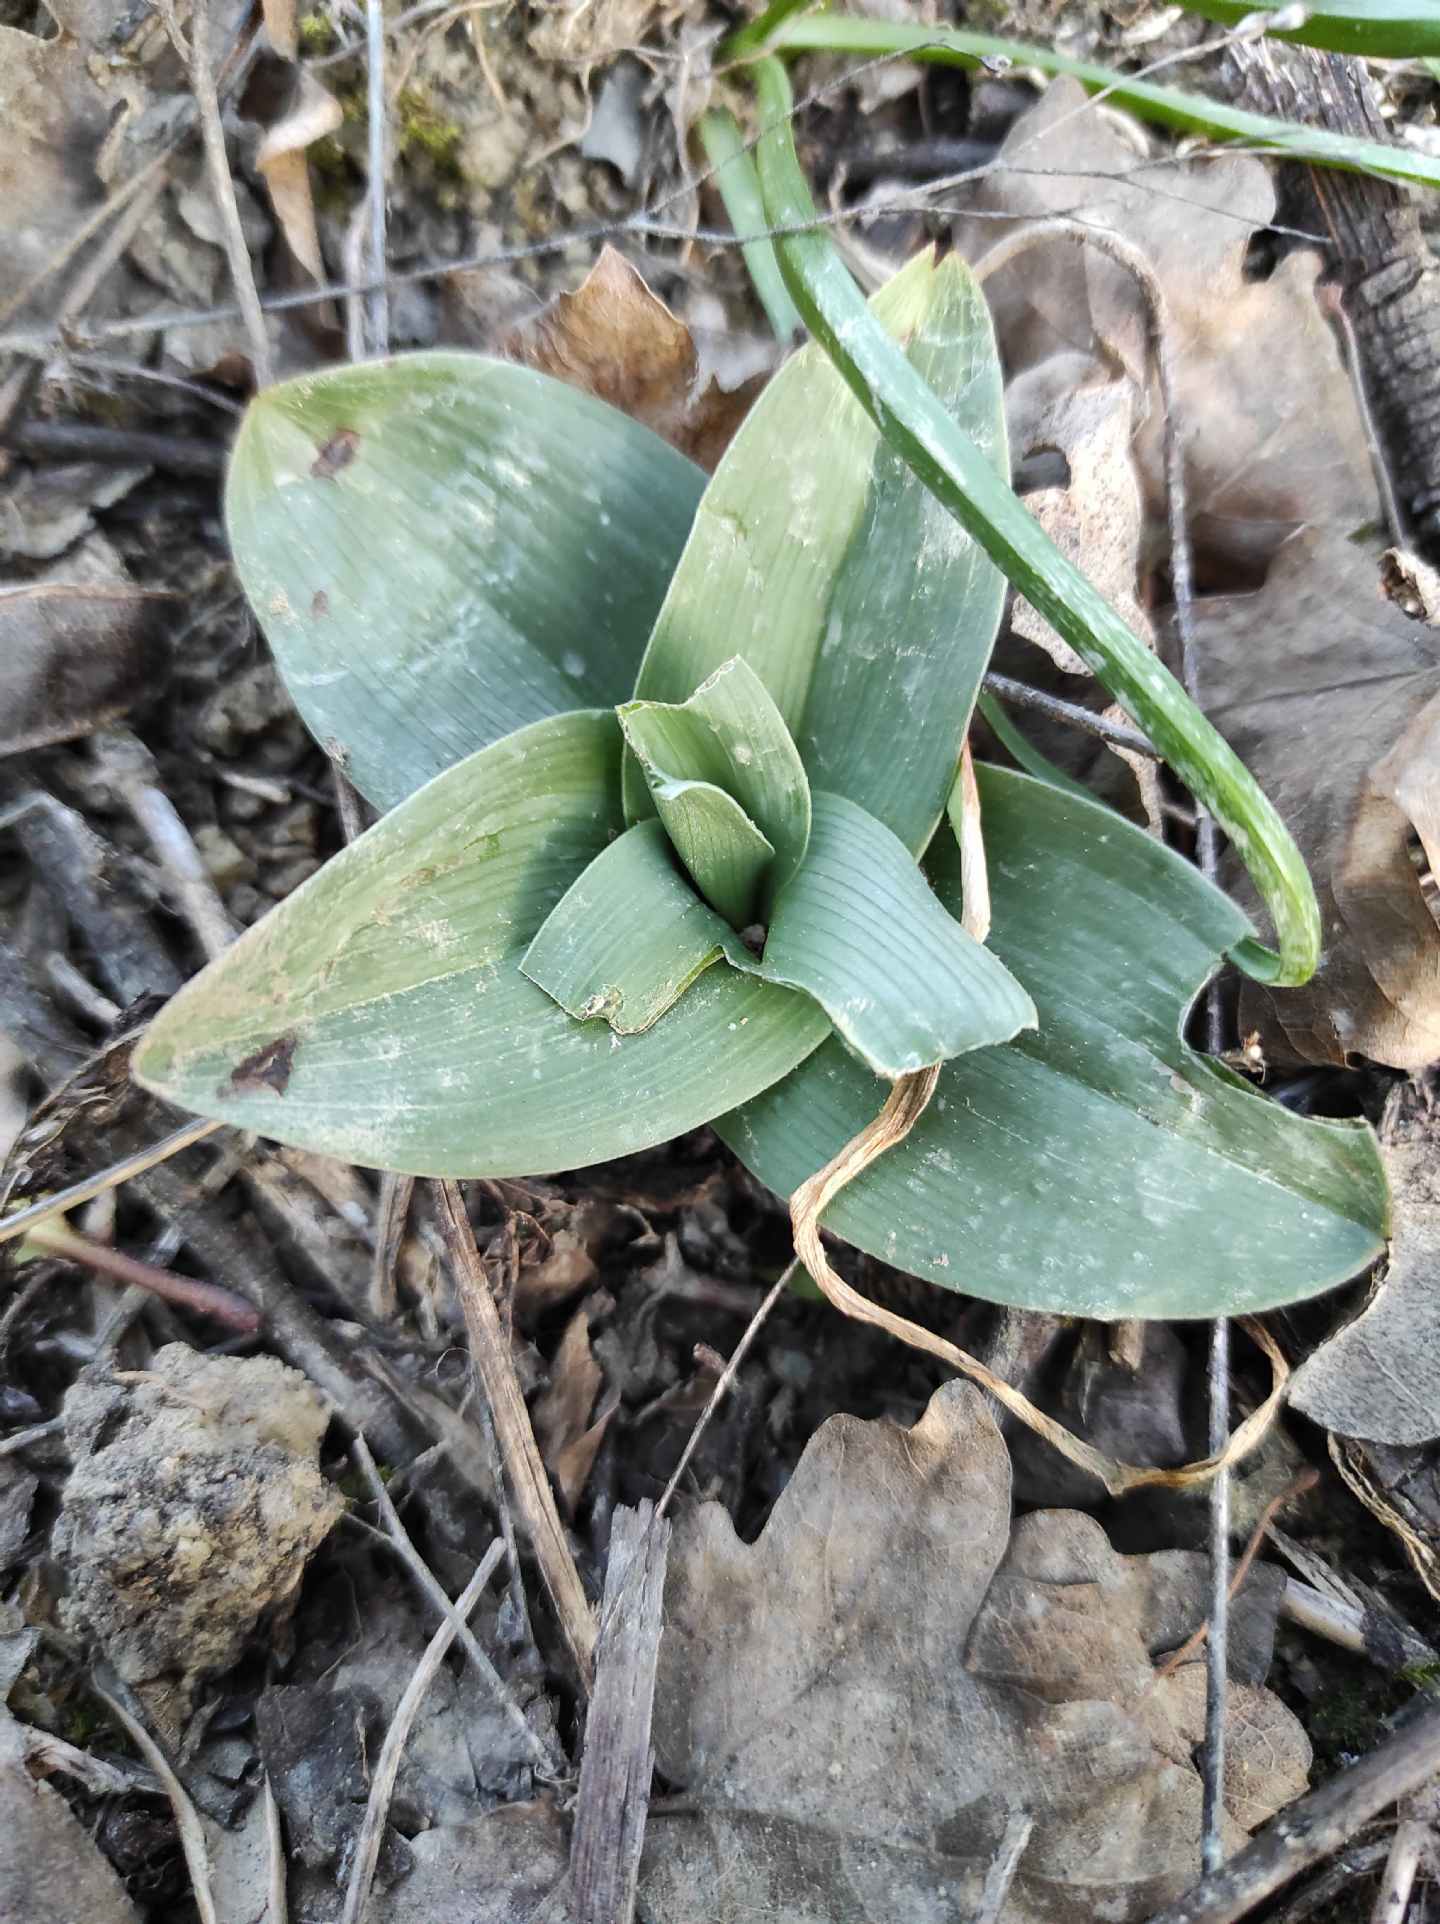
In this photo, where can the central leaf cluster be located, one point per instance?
(736, 839)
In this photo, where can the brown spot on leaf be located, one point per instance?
(319, 604)
(267, 1068)
(338, 452)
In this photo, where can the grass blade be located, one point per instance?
(1370, 29)
(739, 188)
(1169, 107)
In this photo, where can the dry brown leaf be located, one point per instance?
(55, 119)
(74, 655)
(1332, 698)
(498, 1869)
(618, 341)
(592, 33)
(51, 1871)
(568, 1439)
(1379, 1377)
(282, 159)
(1069, 404)
(1271, 431)
(1097, 520)
(859, 1701)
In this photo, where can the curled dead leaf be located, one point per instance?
(859, 1702)
(1271, 431)
(283, 160)
(1332, 697)
(618, 341)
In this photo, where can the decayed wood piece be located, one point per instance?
(1313, 1828)
(1390, 276)
(615, 1769)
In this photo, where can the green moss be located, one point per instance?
(316, 34)
(421, 131)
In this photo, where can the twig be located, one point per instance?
(222, 187)
(1305, 1481)
(188, 1292)
(1308, 1831)
(277, 1909)
(391, 1214)
(24, 1221)
(615, 1769)
(399, 1538)
(377, 306)
(1347, 1869)
(130, 769)
(382, 1785)
(1003, 1866)
(520, 1456)
(1116, 733)
(1217, 1647)
(1407, 1847)
(187, 1818)
(726, 1378)
(37, 1433)
(125, 447)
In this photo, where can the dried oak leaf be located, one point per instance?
(51, 1870)
(1271, 431)
(1379, 1377)
(74, 655)
(1069, 404)
(859, 1702)
(1332, 698)
(55, 119)
(618, 341)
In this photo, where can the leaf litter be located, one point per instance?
(854, 1707)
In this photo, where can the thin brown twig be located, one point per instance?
(222, 188)
(1058, 709)
(723, 1382)
(187, 1818)
(1402, 1865)
(186, 1292)
(534, 1498)
(24, 1221)
(387, 1767)
(1305, 1481)
(1003, 1866)
(399, 1539)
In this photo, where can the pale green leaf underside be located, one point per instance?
(380, 1015)
(731, 734)
(864, 608)
(861, 931)
(443, 548)
(628, 937)
(1099, 1166)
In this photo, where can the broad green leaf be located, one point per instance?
(726, 854)
(959, 472)
(628, 937)
(1100, 1166)
(866, 611)
(380, 1014)
(731, 734)
(861, 931)
(870, 39)
(443, 548)
(1372, 29)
